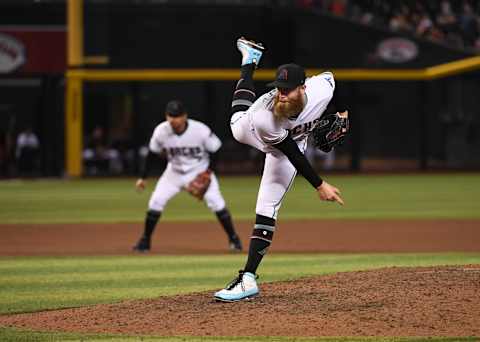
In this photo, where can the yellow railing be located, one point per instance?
(439, 71)
(75, 77)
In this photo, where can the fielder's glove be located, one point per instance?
(199, 186)
(330, 132)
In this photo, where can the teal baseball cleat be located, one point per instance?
(241, 288)
(251, 52)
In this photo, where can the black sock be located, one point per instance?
(225, 220)
(259, 242)
(246, 73)
(151, 220)
(244, 94)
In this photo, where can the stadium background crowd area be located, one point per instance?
(453, 23)
(119, 116)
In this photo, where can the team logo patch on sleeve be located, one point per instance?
(329, 80)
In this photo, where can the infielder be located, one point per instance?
(278, 123)
(188, 145)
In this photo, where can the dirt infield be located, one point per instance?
(207, 237)
(431, 301)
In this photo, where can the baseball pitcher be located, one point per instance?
(279, 123)
(190, 148)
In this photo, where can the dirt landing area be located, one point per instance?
(433, 301)
(322, 236)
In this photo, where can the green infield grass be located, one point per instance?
(428, 196)
(31, 284)
(41, 283)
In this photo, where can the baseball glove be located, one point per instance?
(330, 132)
(199, 185)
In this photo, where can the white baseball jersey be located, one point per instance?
(188, 155)
(259, 128)
(189, 150)
(270, 130)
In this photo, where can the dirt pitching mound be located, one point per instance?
(431, 301)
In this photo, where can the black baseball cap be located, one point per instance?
(289, 76)
(175, 108)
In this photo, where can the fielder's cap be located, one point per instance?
(289, 76)
(175, 108)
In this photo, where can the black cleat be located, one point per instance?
(235, 244)
(142, 246)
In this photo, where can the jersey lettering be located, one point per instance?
(190, 152)
(304, 128)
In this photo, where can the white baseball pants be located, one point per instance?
(172, 182)
(278, 172)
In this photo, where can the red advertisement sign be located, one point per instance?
(32, 49)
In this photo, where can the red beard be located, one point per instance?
(287, 109)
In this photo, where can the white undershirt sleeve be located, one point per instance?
(156, 141)
(212, 143)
